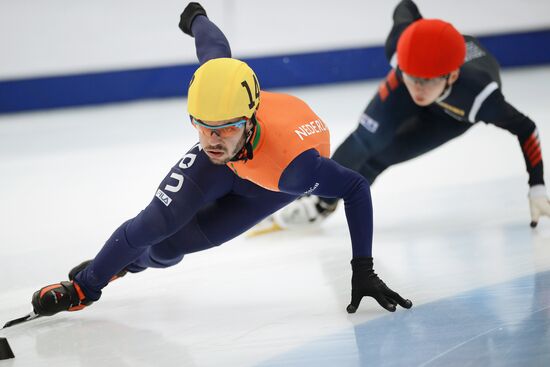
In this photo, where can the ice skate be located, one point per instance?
(305, 212)
(54, 298)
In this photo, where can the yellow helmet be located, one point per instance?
(223, 89)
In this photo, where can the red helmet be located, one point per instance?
(430, 48)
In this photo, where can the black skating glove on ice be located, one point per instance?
(188, 15)
(365, 282)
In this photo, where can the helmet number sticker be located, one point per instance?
(256, 91)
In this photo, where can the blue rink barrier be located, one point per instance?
(514, 49)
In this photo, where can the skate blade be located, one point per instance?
(263, 229)
(28, 317)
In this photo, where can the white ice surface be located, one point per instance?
(450, 221)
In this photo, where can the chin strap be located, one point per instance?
(446, 92)
(246, 151)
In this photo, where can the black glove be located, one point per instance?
(406, 12)
(188, 15)
(364, 282)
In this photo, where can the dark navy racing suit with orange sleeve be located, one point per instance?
(200, 204)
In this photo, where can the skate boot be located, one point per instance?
(64, 296)
(77, 269)
(306, 212)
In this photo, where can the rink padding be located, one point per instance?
(333, 66)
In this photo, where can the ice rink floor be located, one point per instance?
(451, 233)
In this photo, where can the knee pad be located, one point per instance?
(163, 258)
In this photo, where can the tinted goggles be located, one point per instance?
(425, 81)
(224, 131)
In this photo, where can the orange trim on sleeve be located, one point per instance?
(530, 141)
(535, 157)
(392, 80)
(383, 91)
(532, 148)
(536, 160)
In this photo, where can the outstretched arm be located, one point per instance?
(324, 177)
(309, 172)
(496, 110)
(210, 41)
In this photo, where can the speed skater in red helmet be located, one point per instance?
(442, 83)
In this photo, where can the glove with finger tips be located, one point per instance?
(191, 11)
(365, 282)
